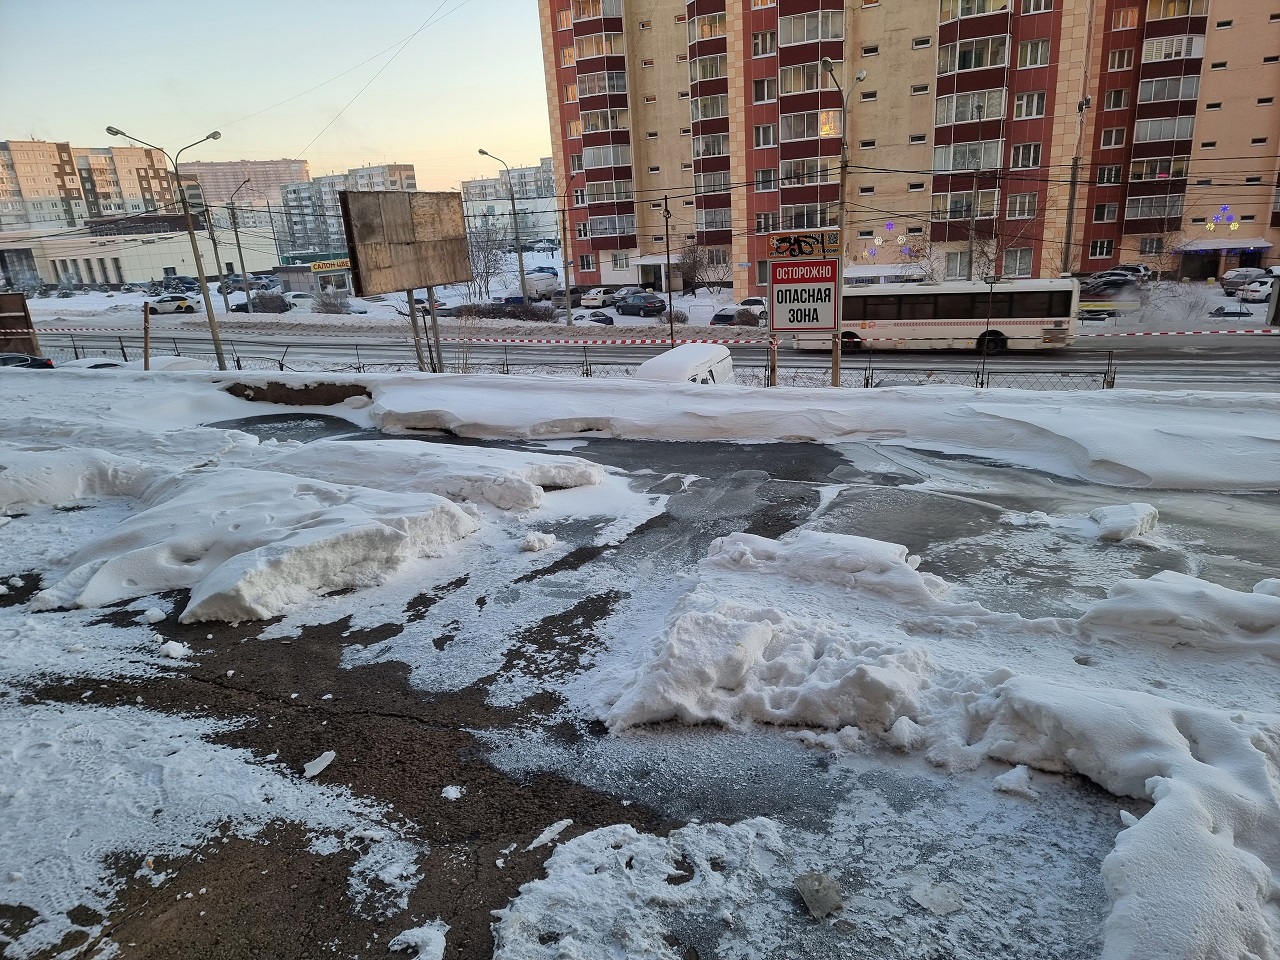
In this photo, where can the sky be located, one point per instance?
(471, 77)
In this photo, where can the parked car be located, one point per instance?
(1140, 270)
(1272, 271)
(622, 293)
(757, 305)
(595, 316)
(298, 300)
(575, 296)
(539, 284)
(173, 303)
(1106, 282)
(705, 363)
(1258, 291)
(544, 269)
(642, 305)
(1233, 280)
(1232, 310)
(25, 360)
(598, 297)
(725, 316)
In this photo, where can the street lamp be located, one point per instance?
(191, 232)
(235, 227)
(564, 250)
(515, 228)
(829, 68)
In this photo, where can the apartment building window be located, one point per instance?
(762, 273)
(591, 9)
(575, 162)
(916, 187)
(1106, 212)
(1162, 9)
(718, 218)
(621, 259)
(766, 180)
(1209, 145)
(1117, 99)
(806, 27)
(805, 77)
(1258, 142)
(1266, 101)
(646, 63)
(764, 44)
(765, 90)
(1146, 208)
(711, 145)
(570, 93)
(799, 173)
(1165, 128)
(1120, 59)
(1112, 137)
(682, 58)
(599, 45)
(1017, 262)
(579, 197)
(871, 50)
(808, 126)
(650, 98)
(646, 24)
(959, 206)
(766, 222)
(618, 226)
(949, 10)
(957, 264)
(760, 4)
(566, 57)
(965, 107)
(564, 19)
(1101, 249)
(714, 182)
(587, 262)
(596, 121)
(1172, 48)
(980, 155)
(1150, 246)
(866, 234)
(1223, 25)
(973, 54)
(594, 84)
(1163, 168)
(1026, 156)
(916, 138)
(709, 68)
(920, 43)
(1033, 53)
(807, 216)
(1027, 106)
(1252, 180)
(1036, 6)
(1169, 88)
(709, 108)
(766, 135)
(919, 89)
(1222, 64)
(686, 166)
(610, 191)
(1022, 206)
(866, 191)
(707, 27)
(611, 155)
(1126, 18)
(573, 128)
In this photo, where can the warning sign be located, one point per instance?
(802, 295)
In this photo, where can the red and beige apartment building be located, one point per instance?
(1009, 137)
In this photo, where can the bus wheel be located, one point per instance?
(992, 342)
(850, 343)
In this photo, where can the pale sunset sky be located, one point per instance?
(171, 72)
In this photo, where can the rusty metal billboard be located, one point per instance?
(404, 241)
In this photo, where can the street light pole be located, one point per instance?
(564, 249)
(235, 228)
(829, 68)
(191, 234)
(515, 227)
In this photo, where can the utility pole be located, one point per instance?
(515, 226)
(666, 236)
(564, 250)
(244, 274)
(973, 200)
(271, 219)
(1069, 240)
(829, 68)
(213, 238)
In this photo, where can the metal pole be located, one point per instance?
(835, 359)
(271, 219)
(146, 336)
(666, 237)
(435, 329)
(773, 362)
(217, 260)
(564, 250)
(515, 225)
(1068, 240)
(973, 200)
(244, 274)
(413, 328)
(829, 68)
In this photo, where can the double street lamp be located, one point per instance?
(191, 232)
(515, 227)
(829, 68)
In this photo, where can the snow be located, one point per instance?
(1016, 782)
(1125, 522)
(317, 766)
(427, 940)
(548, 835)
(453, 792)
(175, 650)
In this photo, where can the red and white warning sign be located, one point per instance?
(802, 295)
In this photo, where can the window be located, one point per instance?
(762, 272)
(799, 173)
(1025, 156)
(575, 163)
(1033, 53)
(764, 91)
(593, 84)
(717, 218)
(1028, 105)
(612, 155)
(866, 144)
(973, 54)
(866, 191)
(598, 45)
(980, 155)
(915, 187)
(1106, 212)
(590, 9)
(1169, 88)
(564, 19)
(866, 234)
(916, 138)
(1209, 145)
(1126, 18)
(824, 25)
(573, 128)
(806, 216)
(1223, 25)
(1117, 99)
(1258, 141)
(707, 27)
(1172, 48)
(1037, 6)
(621, 259)
(1150, 246)
(766, 180)
(715, 182)
(1213, 106)
(868, 95)
(1166, 128)
(805, 77)
(764, 44)
(711, 145)
(1160, 169)
(959, 206)
(1161, 9)
(709, 108)
(618, 226)
(807, 126)
(766, 222)
(1022, 206)
(587, 262)
(1112, 137)
(1017, 262)
(920, 43)
(1252, 179)
(566, 56)
(570, 93)
(1120, 59)
(957, 264)
(919, 89)
(1144, 208)
(646, 63)
(1101, 249)
(579, 197)
(709, 68)
(650, 98)
(964, 107)
(871, 50)
(758, 4)
(1266, 101)
(651, 135)
(1221, 65)
(766, 135)
(595, 121)
(953, 9)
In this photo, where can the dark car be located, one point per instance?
(642, 305)
(25, 360)
(1107, 282)
(725, 316)
(595, 316)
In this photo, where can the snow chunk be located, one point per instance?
(31, 478)
(153, 615)
(938, 898)
(549, 834)
(1122, 522)
(428, 940)
(1017, 782)
(453, 793)
(175, 650)
(318, 765)
(535, 542)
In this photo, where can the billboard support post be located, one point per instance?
(413, 330)
(435, 329)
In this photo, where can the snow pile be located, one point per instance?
(508, 480)
(1192, 879)
(32, 478)
(1124, 522)
(427, 940)
(249, 543)
(613, 892)
(535, 542)
(1180, 611)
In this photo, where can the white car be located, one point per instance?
(1258, 291)
(299, 301)
(596, 298)
(174, 303)
(757, 305)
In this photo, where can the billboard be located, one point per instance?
(400, 241)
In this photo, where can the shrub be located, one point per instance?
(745, 318)
(329, 301)
(270, 303)
(678, 317)
(533, 312)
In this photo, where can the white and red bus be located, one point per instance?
(956, 315)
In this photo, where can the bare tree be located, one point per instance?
(487, 245)
(698, 268)
(330, 301)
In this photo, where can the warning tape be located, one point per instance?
(1178, 333)
(599, 343)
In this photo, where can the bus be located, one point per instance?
(956, 315)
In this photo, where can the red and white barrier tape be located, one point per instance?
(1177, 333)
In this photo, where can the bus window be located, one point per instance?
(917, 307)
(1032, 304)
(956, 306)
(1059, 304)
(881, 308)
(853, 312)
(993, 305)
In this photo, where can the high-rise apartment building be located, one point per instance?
(220, 179)
(487, 201)
(312, 216)
(1009, 137)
